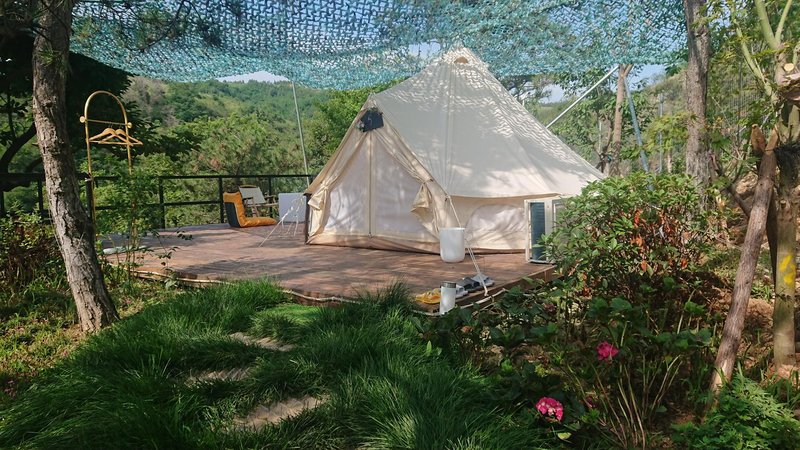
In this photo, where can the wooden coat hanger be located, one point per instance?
(114, 136)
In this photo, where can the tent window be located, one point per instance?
(371, 120)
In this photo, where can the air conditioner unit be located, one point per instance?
(541, 215)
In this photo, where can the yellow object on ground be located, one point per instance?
(234, 210)
(431, 297)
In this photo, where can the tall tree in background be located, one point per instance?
(698, 158)
(74, 230)
(614, 167)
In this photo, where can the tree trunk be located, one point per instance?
(73, 229)
(784, 276)
(756, 226)
(784, 267)
(698, 161)
(668, 160)
(614, 168)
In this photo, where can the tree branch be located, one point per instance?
(14, 147)
(748, 57)
(766, 27)
(779, 29)
(33, 164)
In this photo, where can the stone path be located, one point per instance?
(237, 374)
(240, 373)
(274, 413)
(268, 343)
(262, 415)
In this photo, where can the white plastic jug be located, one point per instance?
(451, 244)
(448, 299)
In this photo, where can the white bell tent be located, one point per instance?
(447, 147)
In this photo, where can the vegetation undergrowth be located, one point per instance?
(616, 354)
(745, 416)
(38, 322)
(622, 346)
(127, 386)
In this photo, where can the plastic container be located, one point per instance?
(448, 299)
(451, 244)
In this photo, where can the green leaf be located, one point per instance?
(693, 308)
(465, 315)
(496, 334)
(663, 338)
(620, 304)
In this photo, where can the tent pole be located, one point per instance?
(608, 74)
(300, 131)
(660, 136)
(636, 130)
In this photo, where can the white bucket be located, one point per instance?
(451, 244)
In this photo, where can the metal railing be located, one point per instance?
(270, 184)
(23, 180)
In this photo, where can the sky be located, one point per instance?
(556, 93)
(648, 71)
(257, 76)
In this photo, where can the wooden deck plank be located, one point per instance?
(220, 253)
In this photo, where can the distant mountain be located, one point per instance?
(173, 103)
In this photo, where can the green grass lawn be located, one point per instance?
(126, 387)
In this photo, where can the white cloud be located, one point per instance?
(257, 76)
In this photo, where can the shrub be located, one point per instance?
(746, 417)
(632, 322)
(129, 196)
(600, 355)
(621, 232)
(28, 251)
(505, 341)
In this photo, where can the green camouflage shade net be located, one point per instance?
(346, 44)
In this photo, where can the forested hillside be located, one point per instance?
(222, 127)
(173, 103)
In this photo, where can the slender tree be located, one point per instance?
(74, 230)
(614, 167)
(698, 157)
(751, 248)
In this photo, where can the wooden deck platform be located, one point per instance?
(218, 253)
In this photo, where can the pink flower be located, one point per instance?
(606, 351)
(550, 407)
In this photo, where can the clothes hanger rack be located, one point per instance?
(115, 133)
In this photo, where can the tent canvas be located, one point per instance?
(454, 149)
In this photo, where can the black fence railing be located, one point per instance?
(169, 186)
(23, 181)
